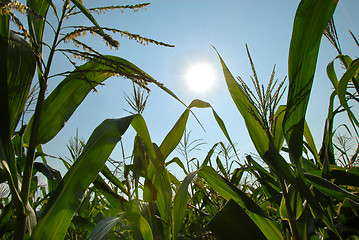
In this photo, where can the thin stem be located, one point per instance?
(30, 156)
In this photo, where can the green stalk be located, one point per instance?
(292, 225)
(30, 156)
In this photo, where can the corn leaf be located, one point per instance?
(248, 111)
(84, 10)
(345, 176)
(69, 94)
(36, 25)
(21, 69)
(330, 189)
(116, 201)
(295, 202)
(232, 222)
(179, 209)
(310, 21)
(342, 89)
(278, 137)
(113, 179)
(175, 135)
(141, 223)
(269, 228)
(7, 151)
(100, 232)
(156, 171)
(65, 200)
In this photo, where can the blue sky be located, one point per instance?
(194, 27)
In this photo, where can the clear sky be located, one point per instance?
(194, 27)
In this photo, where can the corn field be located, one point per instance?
(291, 190)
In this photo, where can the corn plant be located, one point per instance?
(23, 66)
(301, 193)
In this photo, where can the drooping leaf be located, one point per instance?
(344, 176)
(178, 162)
(69, 94)
(48, 171)
(63, 203)
(310, 21)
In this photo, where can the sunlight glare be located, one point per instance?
(200, 77)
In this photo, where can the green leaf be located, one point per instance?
(295, 202)
(269, 228)
(221, 168)
(116, 201)
(49, 172)
(113, 179)
(202, 104)
(179, 209)
(278, 135)
(69, 94)
(178, 162)
(342, 89)
(21, 69)
(330, 188)
(84, 10)
(310, 21)
(310, 141)
(65, 200)
(232, 222)
(102, 229)
(36, 25)
(209, 155)
(156, 171)
(331, 71)
(175, 135)
(248, 111)
(345, 176)
(141, 223)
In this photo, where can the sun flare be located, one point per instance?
(200, 77)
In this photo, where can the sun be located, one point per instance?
(200, 77)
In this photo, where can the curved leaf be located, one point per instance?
(69, 94)
(65, 200)
(342, 89)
